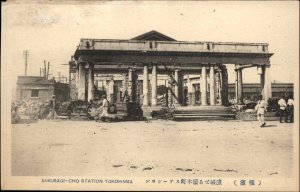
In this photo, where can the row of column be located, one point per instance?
(203, 86)
(146, 86)
(81, 81)
(265, 83)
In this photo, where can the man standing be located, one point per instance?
(282, 109)
(104, 107)
(52, 114)
(290, 109)
(261, 107)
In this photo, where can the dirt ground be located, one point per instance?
(155, 148)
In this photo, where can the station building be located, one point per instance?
(134, 70)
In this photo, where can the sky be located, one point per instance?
(52, 31)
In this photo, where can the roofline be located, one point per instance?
(174, 42)
(154, 31)
(212, 53)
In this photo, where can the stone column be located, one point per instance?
(190, 90)
(265, 82)
(169, 89)
(181, 90)
(91, 82)
(154, 86)
(203, 86)
(145, 86)
(240, 86)
(220, 87)
(130, 87)
(224, 85)
(81, 81)
(236, 85)
(212, 86)
(111, 90)
(124, 83)
(176, 89)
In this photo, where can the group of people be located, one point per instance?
(286, 108)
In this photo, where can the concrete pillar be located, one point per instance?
(111, 91)
(81, 81)
(212, 86)
(145, 86)
(130, 87)
(176, 88)
(91, 82)
(190, 91)
(220, 87)
(236, 86)
(224, 85)
(203, 86)
(123, 90)
(240, 86)
(154, 86)
(181, 89)
(265, 81)
(169, 90)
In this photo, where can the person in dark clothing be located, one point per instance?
(290, 109)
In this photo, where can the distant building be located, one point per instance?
(251, 91)
(36, 87)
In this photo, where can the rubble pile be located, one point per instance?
(164, 113)
(32, 108)
(244, 116)
(64, 108)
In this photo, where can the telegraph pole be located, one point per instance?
(45, 69)
(48, 69)
(26, 55)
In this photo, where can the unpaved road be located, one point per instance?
(156, 148)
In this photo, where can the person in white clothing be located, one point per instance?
(282, 109)
(261, 107)
(104, 107)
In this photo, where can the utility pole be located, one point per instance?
(58, 76)
(40, 71)
(48, 69)
(26, 55)
(45, 72)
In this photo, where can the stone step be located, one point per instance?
(203, 113)
(204, 110)
(201, 118)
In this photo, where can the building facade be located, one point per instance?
(251, 91)
(37, 87)
(135, 68)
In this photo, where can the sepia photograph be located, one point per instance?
(150, 95)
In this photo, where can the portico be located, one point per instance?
(192, 73)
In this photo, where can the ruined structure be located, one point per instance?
(37, 87)
(132, 70)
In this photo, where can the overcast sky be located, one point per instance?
(52, 31)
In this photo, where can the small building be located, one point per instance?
(37, 87)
